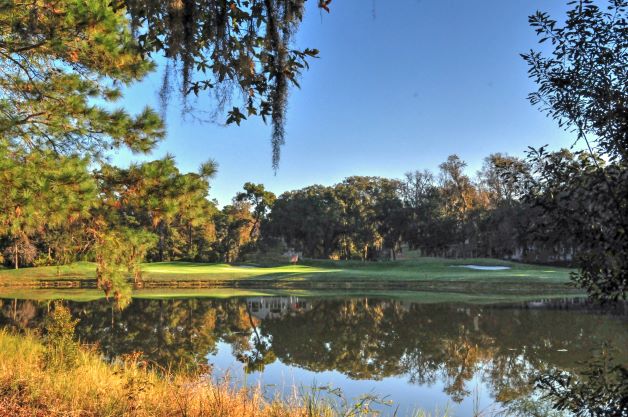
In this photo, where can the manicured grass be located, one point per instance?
(76, 270)
(184, 279)
(422, 269)
(440, 269)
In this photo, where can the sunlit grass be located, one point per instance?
(130, 387)
(95, 388)
(411, 279)
(419, 269)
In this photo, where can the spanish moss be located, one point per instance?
(240, 50)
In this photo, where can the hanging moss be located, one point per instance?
(238, 49)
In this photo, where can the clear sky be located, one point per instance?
(400, 85)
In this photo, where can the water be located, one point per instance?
(432, 356)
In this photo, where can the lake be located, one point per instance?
(434, 356)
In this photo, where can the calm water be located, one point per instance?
(432, 356)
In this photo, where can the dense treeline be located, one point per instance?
(57, 211)
(444, 214)
(155, 212)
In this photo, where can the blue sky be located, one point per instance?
(400, 85)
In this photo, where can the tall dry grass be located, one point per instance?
(91, 387)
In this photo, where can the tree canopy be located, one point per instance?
(62, 63)
(583, 84)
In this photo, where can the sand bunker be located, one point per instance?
(483, 267)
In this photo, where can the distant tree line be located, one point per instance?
(57, 211)
(445, 214)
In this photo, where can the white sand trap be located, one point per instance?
(483, 267)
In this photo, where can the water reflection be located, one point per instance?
(444, 345)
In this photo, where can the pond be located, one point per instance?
(433, 356)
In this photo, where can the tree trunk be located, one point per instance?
(253, 231)
(16, 257)
(161, 242)
(190, 241)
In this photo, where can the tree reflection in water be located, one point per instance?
(505, 346)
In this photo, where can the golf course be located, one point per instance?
(427, 278)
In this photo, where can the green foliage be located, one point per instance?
(119, 253)
(308, 220)
(42, 194)
(58, 60)
(234, 225)
(261, 202)
(61, 350)
(370, 217)
(356, 218)
(156, 197)
(572, 194)
(582, 85)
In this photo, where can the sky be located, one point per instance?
(399, 86)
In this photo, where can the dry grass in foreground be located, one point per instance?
(33, 385)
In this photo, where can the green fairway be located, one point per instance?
(431, 279)
(422, 269)
(182, 279)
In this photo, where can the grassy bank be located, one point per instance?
(93, 388)
(179, 279)
(32, 385)
(85, 295)
(422, 269)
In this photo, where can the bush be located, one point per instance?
(61, 350)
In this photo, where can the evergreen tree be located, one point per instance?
(41, 191)
(261, 202)
(59, 62)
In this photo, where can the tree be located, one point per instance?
(460, 199)
(390, 215)
(60, 59)
(234, 48)
(261, 202)
(582, 85)
(504, 178)
(308, 220)
(505, 226)
(155, 196)
(569, 191)
(41, 191)
(233, 230)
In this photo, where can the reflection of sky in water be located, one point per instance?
(428, 355)
(406, 397)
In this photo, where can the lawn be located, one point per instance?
(421, 269)
(401, 279)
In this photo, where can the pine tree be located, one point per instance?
(41, 190)
(59, 61)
